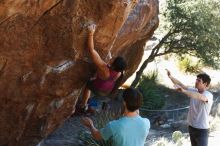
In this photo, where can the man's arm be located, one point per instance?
(175, 81)
(89, 124)
(194, 95)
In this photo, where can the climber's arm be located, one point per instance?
(101, 65)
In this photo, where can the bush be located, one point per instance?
(162, 142)
(176, 136)
(151, 93)
(187, 64)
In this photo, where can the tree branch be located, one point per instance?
(151, 57)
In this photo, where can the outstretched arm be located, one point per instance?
(193, 94)
(100, 64)
(89, 124)
(175, 81)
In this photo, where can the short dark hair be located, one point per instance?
(205, 78)
(133, 99)
(119, 64)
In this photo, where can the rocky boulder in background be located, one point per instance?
(43, 59)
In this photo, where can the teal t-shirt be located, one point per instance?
(127, 131)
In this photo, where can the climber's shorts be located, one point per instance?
(95, 91)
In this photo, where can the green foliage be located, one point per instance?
(100, 121)
(193, 27)
(161, 144)
(176, 136)
(87, 140)
(167, 56)
(186, 64)
(187, 27)
(151, 93)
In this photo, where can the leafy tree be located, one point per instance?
(188, 27)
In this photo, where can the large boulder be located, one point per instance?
(44, 63)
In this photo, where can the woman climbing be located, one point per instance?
(108, 76)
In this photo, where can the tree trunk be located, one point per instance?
(139, 73)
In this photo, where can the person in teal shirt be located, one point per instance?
(129, 130)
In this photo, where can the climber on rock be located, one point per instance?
(108, 76)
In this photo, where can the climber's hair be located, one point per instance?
(118, 65)
(133, 99)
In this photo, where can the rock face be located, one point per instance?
(44, 64)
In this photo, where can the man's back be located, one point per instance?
(127, 131)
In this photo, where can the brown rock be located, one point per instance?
(43, 59)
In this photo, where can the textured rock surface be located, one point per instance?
(44, 63)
